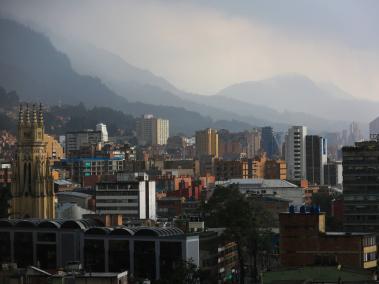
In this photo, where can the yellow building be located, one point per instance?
(32, 184)
(54, 150)
(207, 143)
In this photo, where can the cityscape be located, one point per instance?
(110, 173)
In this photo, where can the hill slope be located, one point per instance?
(30, 65)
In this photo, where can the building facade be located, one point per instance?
(104, 132)
(361, 186)
(295, 153)
(32, 186)
(145, 252)
(152, 130)
(77, 139)
(304, 242)
(207, 143)
(316, 158)
(269, 143)
(333, 174)
(132, 196)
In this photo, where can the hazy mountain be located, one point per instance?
(30, 65)
(296, 93)
(142, 86)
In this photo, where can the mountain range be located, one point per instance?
(30, 65)
(80, 72)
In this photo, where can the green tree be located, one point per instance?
(245, 221)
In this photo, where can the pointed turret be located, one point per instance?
(20, 116)
(40, 115)
(27, 115)
(34, 117)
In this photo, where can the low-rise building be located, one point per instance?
(305, 242)
(145, 252)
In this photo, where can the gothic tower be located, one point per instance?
(32, 187)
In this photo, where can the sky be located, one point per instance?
(204, 46)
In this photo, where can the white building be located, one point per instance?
(268, 187)
(132, 195)
(295, 153)
(152, 130)
(104, 132)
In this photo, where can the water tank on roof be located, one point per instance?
(302, 209)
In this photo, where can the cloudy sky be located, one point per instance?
(204, 46)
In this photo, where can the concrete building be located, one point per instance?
(32, 186)
(316, 158)
(224, 170)
(77, 139)
(83, 168)
(253, 143)
(361, 186)
(304, 242)
(275, 169)
(132, 195)
(145, 252)
(333, 174)
(207, 143)
(266, 187)
(295, 153)
(104, 132)
(152, 130)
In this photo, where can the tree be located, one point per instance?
(5, 197)
(245, 220)
(185, 272)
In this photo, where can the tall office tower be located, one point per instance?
(152, 130)
(104, 132)
(295, 153)
(253, 143)
(207, 143)
(269, 143)
(316, 158)
(32, 185)
(361, 186)
(374, 126)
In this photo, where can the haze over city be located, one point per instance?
(189, 142)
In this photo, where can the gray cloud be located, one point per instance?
(205, 47)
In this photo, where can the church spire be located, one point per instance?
(27, 114)
(40, 115)
(34, 118)
(20, 116)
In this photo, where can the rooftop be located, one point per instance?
(261, 183)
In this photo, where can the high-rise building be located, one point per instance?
(207, 143)
(295, 153)
(269, 143)
(333, 174)
(253, 143)
(152, 130)
(374, 126)
(316, 158)
(77, 139)
(361, 186)
(104, 132)
(32, 186)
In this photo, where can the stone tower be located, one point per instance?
(32, 187)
